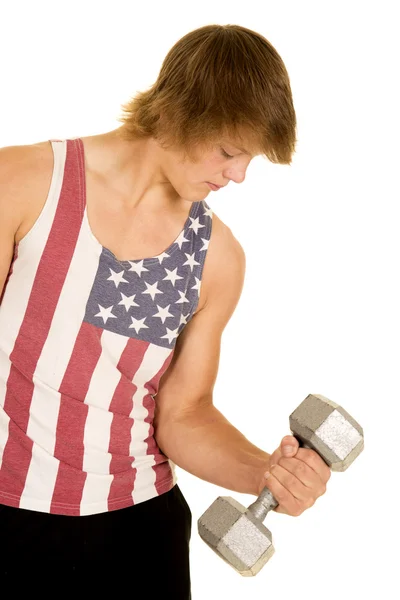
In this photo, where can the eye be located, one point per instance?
(226, 154)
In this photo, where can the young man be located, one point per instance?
(117, 282)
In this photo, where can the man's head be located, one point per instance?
(220, 88)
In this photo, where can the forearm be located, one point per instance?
(207, 445)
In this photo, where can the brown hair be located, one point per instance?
(218, 82)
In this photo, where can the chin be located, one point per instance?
(193, 192)
(193, 195)
(204, 195)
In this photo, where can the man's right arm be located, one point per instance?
(16, 165)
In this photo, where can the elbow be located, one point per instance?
(170, 424)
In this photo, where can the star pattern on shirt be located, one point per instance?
(117, 278)
(128, 301)
(163, 313)
(152, 289)
(181, 239)
(191, 261)
(105, 313)
(137, 268)
(171, 334)
(138, 324)
(172, 276)
(152, 298)
(195, 225)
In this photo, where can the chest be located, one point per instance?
(130, 234)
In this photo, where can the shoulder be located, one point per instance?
(24, 156)
(224, 268)
(22, 166)
(17, 164)
(25, 178)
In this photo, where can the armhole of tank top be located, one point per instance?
(59, 148)
(203, 255)
(208, 232)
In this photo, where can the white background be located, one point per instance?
(319, 312)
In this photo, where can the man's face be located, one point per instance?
(221, 164)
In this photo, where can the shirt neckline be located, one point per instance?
(169, 250)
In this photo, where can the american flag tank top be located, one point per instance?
(84, 341)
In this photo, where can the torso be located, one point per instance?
(127, 237)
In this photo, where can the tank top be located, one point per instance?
(84, 341)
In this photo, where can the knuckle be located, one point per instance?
(315, 459)
(312, 454)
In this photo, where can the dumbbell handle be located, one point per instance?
(266, 501)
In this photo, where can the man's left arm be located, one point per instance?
(196, 436)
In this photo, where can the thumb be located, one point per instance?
(289, 445)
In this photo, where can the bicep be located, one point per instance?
(190, 378)
(11, 181)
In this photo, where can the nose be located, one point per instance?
(236, 174)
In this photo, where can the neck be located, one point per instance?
(132, 168)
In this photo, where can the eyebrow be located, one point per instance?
(239, 148)
(231, 143)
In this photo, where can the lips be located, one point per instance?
(218, 187)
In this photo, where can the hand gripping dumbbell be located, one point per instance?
(237, 533)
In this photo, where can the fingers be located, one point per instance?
(298, 478)
(293, 499)
(309, 456)
(315, 462)
(295, 485)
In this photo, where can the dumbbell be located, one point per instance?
(237, 533)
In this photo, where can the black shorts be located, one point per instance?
(143, 546)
